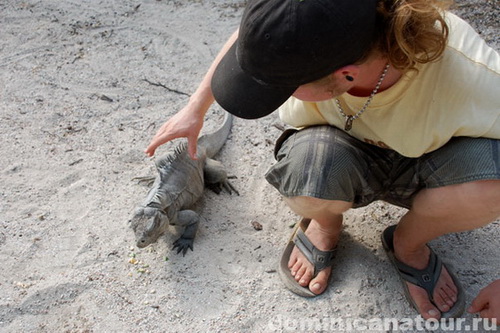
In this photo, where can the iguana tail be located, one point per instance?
(214, 141)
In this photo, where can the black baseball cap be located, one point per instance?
(283, 44)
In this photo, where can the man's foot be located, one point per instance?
(302, 270)
(445, 293)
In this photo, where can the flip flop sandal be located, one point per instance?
(319, 259)
(426, 278)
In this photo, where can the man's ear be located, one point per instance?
(349, 72)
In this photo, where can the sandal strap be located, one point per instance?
(319, 259)
(426, 278)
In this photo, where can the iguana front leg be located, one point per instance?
(190, 220)
(216, 177)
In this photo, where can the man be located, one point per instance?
(395, 101)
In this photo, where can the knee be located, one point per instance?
(480, 196)
(485, 194)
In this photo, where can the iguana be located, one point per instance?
(178, 185)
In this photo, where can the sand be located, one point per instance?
(84, 85)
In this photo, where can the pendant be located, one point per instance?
(348, 123)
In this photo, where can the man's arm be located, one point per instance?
(189, 120)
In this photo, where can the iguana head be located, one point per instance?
(148, 224)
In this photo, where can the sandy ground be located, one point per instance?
(78, 107)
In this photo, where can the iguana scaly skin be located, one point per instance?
(179, 184)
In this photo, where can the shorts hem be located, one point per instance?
(463, 180)
(313, 195)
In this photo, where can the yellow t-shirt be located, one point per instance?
(459, 95)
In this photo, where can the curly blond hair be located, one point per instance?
(411, 32)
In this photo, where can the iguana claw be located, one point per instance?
(183, 244)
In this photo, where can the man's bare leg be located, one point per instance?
(436, 212)
(323, 231)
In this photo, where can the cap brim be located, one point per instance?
(240, 94)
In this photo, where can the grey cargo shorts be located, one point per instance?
(325, 162)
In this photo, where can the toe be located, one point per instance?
(442, 301)
(446, 292)
(296, 266)
(449, 294)
(445, 300)
(452, 293)
(430, 312)
(292, 261)
(296, 270)
(320, 282)
(305, 279)
(426, 309)
(301, 274)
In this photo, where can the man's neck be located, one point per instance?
(369, 75)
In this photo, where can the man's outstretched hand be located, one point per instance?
(487, 302)
(184, 124)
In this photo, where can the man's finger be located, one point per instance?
(192, 147)
(485, 313)
(157, 141)
(479, 303)
(151, 148)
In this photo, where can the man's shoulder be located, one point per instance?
(465, 43)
